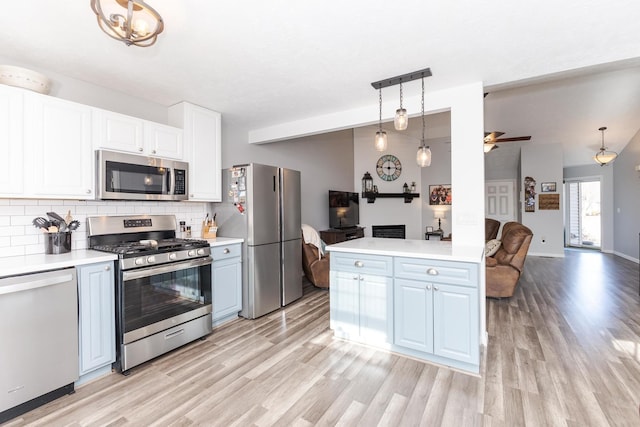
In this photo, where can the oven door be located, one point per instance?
(157, 298)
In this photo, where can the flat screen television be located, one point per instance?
(344, 209)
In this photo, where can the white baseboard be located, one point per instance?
(621, 255)
(542, 254)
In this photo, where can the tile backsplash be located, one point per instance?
(18, 236)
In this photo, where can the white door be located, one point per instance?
(500, 200)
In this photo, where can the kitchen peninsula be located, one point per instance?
(415, 297)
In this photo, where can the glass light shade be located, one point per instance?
(138, 26)
(423, 157)
(401, 120)
(381, 140)
(488, 147)
(367, 183)
(439, 215)
(605, 157)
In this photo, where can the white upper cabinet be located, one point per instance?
(202, 140)
(114, 131)
(57, 145)
(11, 142)
(163, 141)
(118, 132)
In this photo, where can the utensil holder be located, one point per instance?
(57, 243)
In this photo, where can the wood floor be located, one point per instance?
(564, 351)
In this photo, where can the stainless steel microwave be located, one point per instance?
(123, 176)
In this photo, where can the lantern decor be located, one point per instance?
(367, 184)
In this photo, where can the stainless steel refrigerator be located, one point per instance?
(262, 205)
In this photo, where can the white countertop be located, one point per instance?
(11, 266)
(221, 241)
(427, 249)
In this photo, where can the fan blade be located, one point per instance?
(491, 136)
(517, 138)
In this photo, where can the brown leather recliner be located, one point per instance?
(316, 269)
(491, 227)
(503, 269)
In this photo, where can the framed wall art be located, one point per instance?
(440, 194)
(548, 187)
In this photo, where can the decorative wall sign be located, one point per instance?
(440, 194)
(529, 194)
(548, 187)
(550, 202)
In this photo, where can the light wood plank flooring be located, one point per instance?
(564, 351)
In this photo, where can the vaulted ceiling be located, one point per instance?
(554, 70)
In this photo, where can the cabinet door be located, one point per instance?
(455, 312)
(202, 139)
(117, 131)
(227, 287)
(11, 142)
(344, 301)
(58, 143)
(375, 309)
(97, 316)
(413, 315)
(163, 141)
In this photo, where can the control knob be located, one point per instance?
(139, 261)
(191, 253)
(201, 251)
(173, 256)
(151, 259)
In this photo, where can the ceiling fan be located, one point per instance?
(492, 138)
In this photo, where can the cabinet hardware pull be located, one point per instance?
(435, 288)
(355, 277)
(88, 191)
(432, 272)
(140, 149)
(153, 151)
(428, 287)
(107, 268)
(358, 264)
(226, 251)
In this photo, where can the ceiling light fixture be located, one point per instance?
(423, 156)
(401, 119)
(381, 136)
(488, 146)
(603, 156)
(130, 21)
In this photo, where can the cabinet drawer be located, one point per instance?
(365, 264)
(456, 273)
(225, 251)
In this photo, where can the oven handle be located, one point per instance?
(169, 268)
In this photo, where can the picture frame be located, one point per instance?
(429, 229)
(547, 187)
(440, 194)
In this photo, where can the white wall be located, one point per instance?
(626, 200)
(97, 96)
(544, 164)
(389, 211)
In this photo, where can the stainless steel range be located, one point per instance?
(163, 285)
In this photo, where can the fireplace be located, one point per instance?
(388, 231)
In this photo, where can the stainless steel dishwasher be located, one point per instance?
(39, 336)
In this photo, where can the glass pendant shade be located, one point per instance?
(381, 140)
(604, 157)
(423, 157)
(401, 120)
(130, 21)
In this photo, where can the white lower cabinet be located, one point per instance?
(361, 298)
(226, 281)
(96, 297)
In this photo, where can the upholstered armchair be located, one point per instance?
(503, 269)
(315, 264)
(491, 227)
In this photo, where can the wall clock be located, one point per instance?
(389, 167)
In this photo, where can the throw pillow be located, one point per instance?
(491, 247)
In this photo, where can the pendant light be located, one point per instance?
(130, 21)
(401, 119)
(381, 136)
(603, 156)
(423, 157)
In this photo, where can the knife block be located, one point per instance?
(209, 230)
